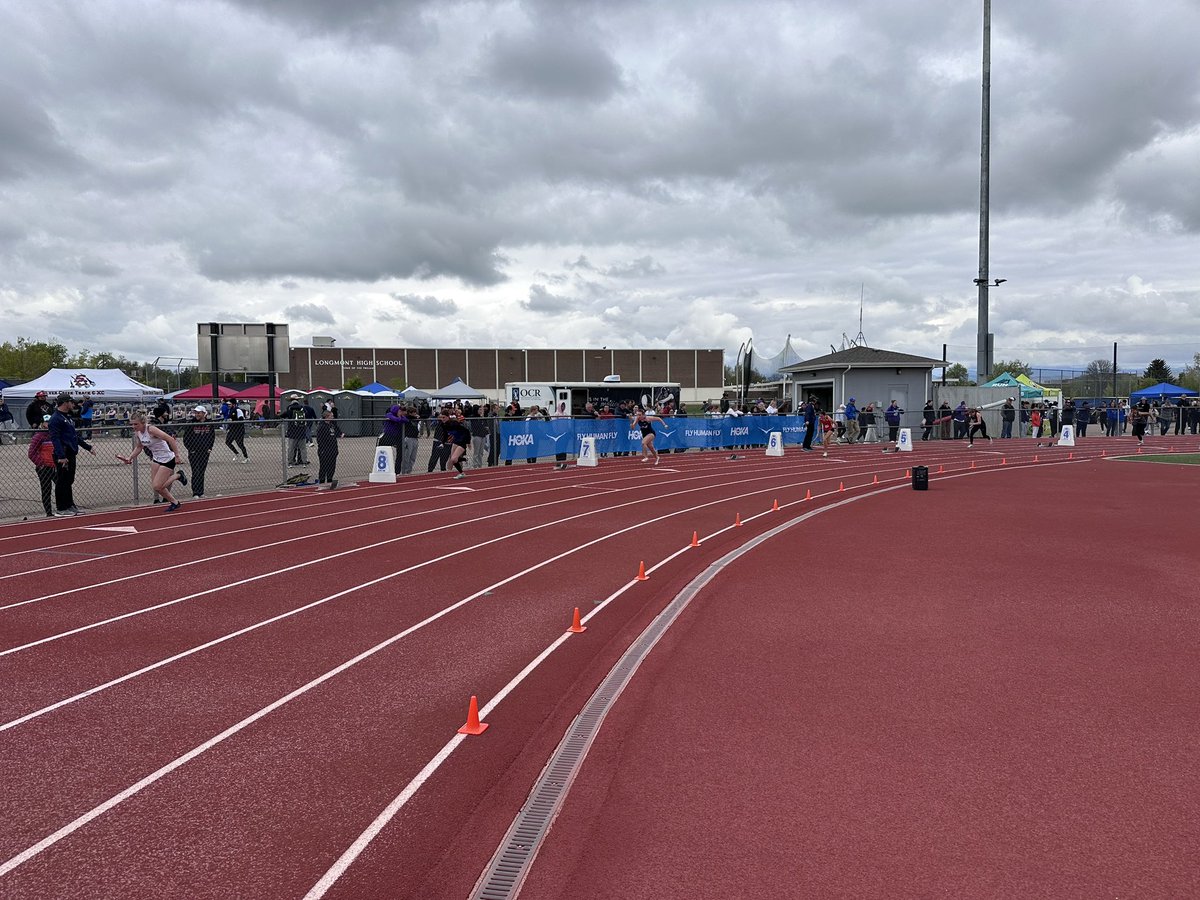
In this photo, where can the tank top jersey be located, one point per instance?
(160, 451)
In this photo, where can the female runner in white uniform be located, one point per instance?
(164, 452)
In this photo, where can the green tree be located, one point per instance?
(1013, 367)
(27, 359)
(352, 384)
(1158, 370)
(957, 372)
(1190, 376)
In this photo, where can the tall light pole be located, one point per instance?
(983, 357)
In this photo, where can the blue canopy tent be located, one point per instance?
(1162, 391)
(376, 388)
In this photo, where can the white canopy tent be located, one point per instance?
(458, 390)
(98, 384)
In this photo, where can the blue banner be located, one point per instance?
(534, 440)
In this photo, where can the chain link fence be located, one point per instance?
(104, 482)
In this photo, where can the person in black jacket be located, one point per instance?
(36, 411)
(327, 435)
(928, 414)
(235, 438)
(297, 434)
(198, 437)
(441, 449)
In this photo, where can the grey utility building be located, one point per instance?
(866, 374)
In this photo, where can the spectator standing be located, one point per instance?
(61, 428)
(839, 420)
(198, 437)
(1083, 418)
(161, 415)
(480, 425)
(1112, 415)
(1068, 413)
(41, 454)
(297, 434)
(439, 454)
(893, 414)
(394, 422)
(810, 423)
(36, 411)
(851, 422)
(8, 424)
(945, 417)
(1166, 416)
(1035, 422)
(86, 412)
(866, 422)
(960, 420)
(327, 435)
(236, 438)
(928, 414)
(1008, 415)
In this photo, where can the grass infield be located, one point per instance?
(1183, 459)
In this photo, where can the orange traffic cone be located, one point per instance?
(875, 479)
(1139, 451)
(808, 494)
(641, 575)
(473, 726)
(908, 473)
(577, 627)
(774, 506)
(972, 464)
(1071, 455)
(737, 520)
(1171, 449)
(1004, 460)
(941, 470)
(695, 539)
(1035, 457)
(841, 486)
(1102, 451)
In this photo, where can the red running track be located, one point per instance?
(221, 703)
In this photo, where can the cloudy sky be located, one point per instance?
(601, 172)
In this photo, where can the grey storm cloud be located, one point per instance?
(310, 312)
(427, 305)
(612, 159)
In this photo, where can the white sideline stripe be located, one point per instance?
(124, 529)
(183, 654)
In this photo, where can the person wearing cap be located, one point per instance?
(66, 440)
(36, 410)
(8, 424)
(198, 437)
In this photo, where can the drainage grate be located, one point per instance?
(502, 879)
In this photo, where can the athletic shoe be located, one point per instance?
(826, 453)
(172, 507)
(645, 459)
(245, 459)
(197, 496)
(63, 513)
(333, 484)
(183, 477)
(460, 475)
(158, 499)
(75, 510)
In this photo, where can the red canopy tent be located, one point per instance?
(257, 392)
(204, 392)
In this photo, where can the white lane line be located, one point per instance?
(249, 628)
(261, 547)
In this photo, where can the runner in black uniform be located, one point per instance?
(458, 436)
(646, 424)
